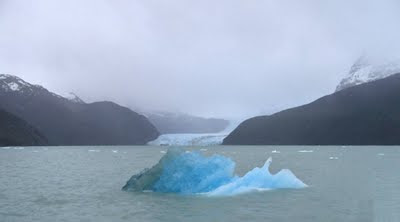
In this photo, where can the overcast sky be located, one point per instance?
(221, 58)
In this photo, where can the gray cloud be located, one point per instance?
(213, 58)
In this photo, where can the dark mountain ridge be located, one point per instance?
(367, 114)
(17, 132)
(68, 122)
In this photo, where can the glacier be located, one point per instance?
(194, 139)
(192, 173)
(188, 139)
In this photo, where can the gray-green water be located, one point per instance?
(84, 184)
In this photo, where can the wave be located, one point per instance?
(193, 173)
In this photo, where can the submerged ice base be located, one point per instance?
(193, 173)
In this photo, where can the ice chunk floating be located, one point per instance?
(193, 173)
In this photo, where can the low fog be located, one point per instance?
(226, 58)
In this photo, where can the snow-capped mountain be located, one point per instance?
(70, 121)
(365, 70)
(14, 84)
(10, 83)
(366, 114)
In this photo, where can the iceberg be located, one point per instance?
(192, 173)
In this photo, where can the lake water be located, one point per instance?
(84, 184)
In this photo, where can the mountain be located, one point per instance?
(366, 114)
(367, 69)
(17, 132)
(71, 121)
(174, 123)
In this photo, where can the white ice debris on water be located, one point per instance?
(306, 151)
(94, 151)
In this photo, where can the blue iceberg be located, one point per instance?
(193, 173)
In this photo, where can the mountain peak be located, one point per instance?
(366, 69)
(11, 83)
(14, 84)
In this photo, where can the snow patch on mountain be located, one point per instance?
(366, 70)
(13, 86)
(73, 98)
